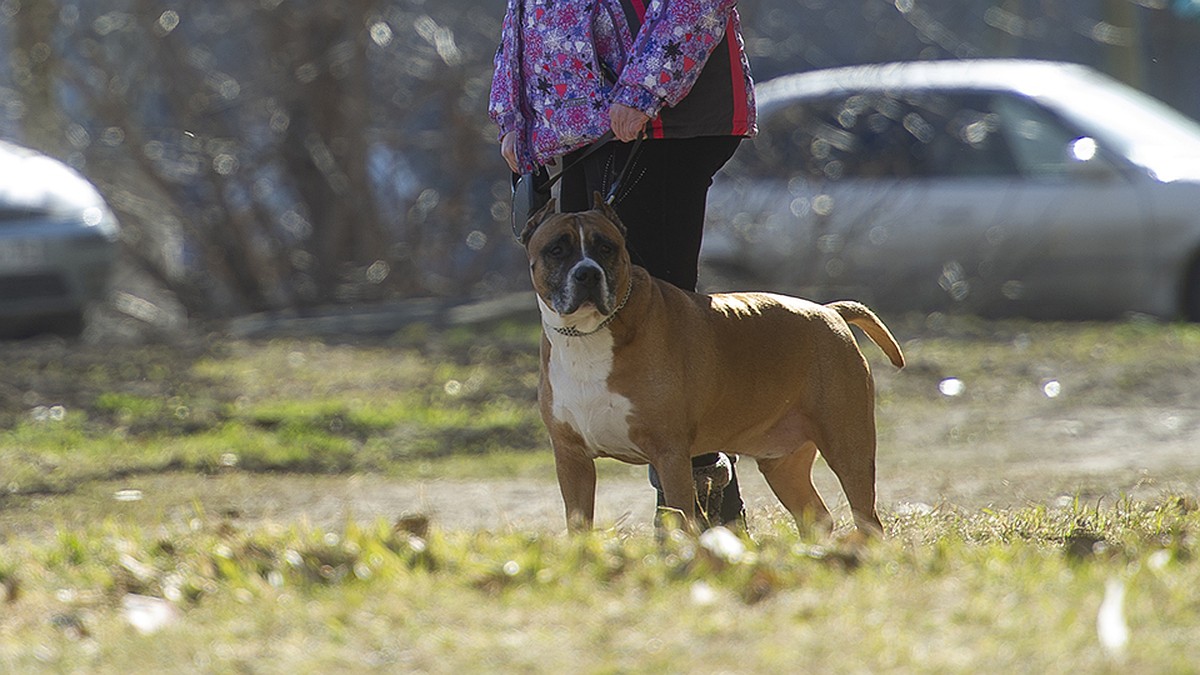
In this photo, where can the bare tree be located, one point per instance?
(240, 143)
(283, 154)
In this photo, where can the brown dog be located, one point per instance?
(639, 370)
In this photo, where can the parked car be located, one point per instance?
(58, 244)
(998, 187)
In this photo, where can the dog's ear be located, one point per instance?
(537, 219)
(601, 205)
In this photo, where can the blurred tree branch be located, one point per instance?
(284, 154)
(251, 153)
(34, 67)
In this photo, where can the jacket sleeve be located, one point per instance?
(670, 50)
(504, 102)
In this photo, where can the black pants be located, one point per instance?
(661, 199)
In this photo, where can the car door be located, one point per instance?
(932, 200)
(937, 181)
(1073, 240)
(836, 198)
(764, 209)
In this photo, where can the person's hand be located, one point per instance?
(627, 122)
(508, 150)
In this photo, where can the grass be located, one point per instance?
(1013, 591)
(423, 402)
(998, 575)
(1097, 364)
(399, 408)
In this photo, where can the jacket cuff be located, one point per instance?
(508, 122)
(639, 99)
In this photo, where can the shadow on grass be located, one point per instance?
(72, 413)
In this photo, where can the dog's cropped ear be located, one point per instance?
(537, 219)
(599, 204)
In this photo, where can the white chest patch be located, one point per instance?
(579, 379)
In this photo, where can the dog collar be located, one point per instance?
(571, 331)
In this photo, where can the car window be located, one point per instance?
(10, 212)
(881, 136)
(1038, 137)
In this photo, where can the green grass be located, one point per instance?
(1013, 591)
(1095, 363)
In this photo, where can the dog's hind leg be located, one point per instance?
(849, 450)
(790, 478)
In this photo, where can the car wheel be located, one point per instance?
(67, 324)
(63, 324)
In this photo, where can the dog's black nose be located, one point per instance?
(586, 275)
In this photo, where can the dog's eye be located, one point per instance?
(556, 251)
(606, 247)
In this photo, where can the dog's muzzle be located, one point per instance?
(586, 283)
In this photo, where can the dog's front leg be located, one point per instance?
(679, 488)
(577, 481)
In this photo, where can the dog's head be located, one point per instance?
(578, 262)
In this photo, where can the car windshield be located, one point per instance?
(1132, 124)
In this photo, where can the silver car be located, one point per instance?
(994, 187)
(58, 244)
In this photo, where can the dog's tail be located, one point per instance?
(858, 314)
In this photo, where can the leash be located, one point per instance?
(590, 150)
(611, 198)
(545, 187)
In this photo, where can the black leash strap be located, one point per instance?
(616, 184)
(545, 187)
(596, 145)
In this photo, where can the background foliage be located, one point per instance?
(285, 154)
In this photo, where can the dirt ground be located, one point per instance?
(970, 454)
(1059, 463)
(1098, 456)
